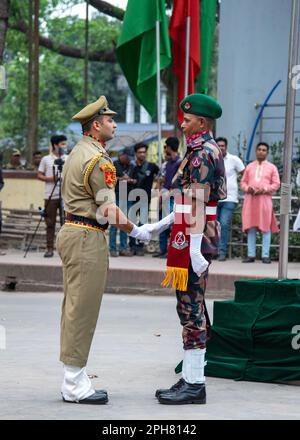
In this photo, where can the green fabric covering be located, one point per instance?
(252, 335)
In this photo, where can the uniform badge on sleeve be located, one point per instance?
(196, 162)
(109, 174)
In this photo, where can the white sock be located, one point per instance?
(193, 366)
(76, 384)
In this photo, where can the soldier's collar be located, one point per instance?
(98, 144)
(198, 139)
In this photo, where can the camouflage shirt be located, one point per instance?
(206, 166)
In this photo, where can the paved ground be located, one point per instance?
(135, 349)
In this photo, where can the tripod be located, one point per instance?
(43, 212)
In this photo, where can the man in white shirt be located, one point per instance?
(233, 167)
(47, 172)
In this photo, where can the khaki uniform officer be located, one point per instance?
(89, 179)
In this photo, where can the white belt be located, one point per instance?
(187, 209)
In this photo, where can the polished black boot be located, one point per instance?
(176, 386)
(98, 398)
(187, 393)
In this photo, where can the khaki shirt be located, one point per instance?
(88, 179)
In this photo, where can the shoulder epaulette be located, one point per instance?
(88, 172)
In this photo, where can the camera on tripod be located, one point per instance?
(60, 163)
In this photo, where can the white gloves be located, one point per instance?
(141, 232)
(199, 263)
(145, 232)
(164, 223)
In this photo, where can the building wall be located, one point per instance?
(253, 56)
(21, 193)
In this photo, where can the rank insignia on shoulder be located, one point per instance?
(109, 174)
(187, 105)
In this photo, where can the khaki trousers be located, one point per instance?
(84, 255)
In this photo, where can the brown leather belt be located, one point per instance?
(80, 220)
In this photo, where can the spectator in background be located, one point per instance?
(1, 187)
(15, 161)
(143, 173)
(36, 160)
(124, 185)
(259, 181)
(233, 168)
(296, 225)
(47, 172)
(169, 169)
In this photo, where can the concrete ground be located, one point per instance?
(135, 348)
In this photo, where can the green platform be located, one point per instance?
(252, 335)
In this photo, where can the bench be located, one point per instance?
(18, 227)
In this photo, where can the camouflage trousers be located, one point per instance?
(190, 309)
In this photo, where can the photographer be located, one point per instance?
(48, 172)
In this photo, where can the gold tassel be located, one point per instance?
(177, 277)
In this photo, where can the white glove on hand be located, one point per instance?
(199, 264)
(164, 223)
(141, 232)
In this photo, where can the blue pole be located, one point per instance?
(258, 119)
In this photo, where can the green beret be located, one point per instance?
(99, 107)
(201, 105)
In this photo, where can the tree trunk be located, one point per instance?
(86, 58)
(33, 78)
(4, 8)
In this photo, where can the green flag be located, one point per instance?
(136, 50)
(207, 29)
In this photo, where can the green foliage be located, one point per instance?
(61, 88)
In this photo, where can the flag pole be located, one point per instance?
(187, 56)
(187, 61)
(285, 199)
(158, 91)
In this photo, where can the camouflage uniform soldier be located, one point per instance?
(89, 179)
(202, 169)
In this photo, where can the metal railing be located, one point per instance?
(237, 244)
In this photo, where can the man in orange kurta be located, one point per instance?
(260, 180)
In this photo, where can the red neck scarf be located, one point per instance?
(193, 137)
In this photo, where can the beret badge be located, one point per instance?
(187, 105)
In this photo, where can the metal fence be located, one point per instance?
(237, 246)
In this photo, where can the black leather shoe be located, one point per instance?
(176, 386)
(266, 260)
(248, 260)
(186, 394)
(48, 253)
(98, 398)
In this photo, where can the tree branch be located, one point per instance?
(108, 9)
(63, 49)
